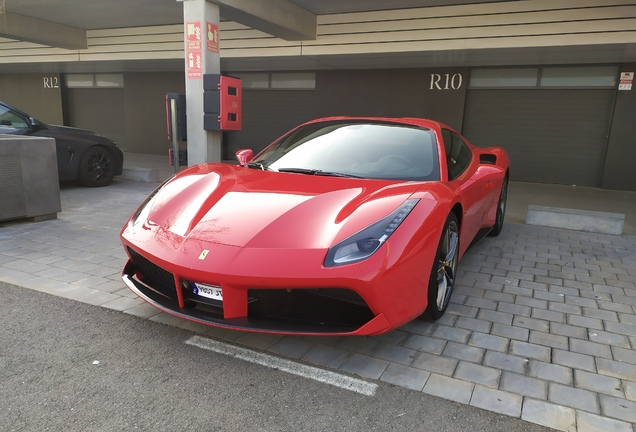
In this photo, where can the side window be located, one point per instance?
(458, 155)
(11, 119)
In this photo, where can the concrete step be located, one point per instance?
(574, 219)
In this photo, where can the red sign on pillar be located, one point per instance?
(194, 55)
(212, 37)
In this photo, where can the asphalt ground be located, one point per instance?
(147, 378)
(542, 325)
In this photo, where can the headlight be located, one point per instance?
(363, 244)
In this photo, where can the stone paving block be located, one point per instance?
(419, 327)
(488, 286)
(609, 338)
(291, 347)
(517, 291)
(486, 376)
(435, 363)
(608, 289)
(624, 299)
(590, 348)
(464, 352)
(506, 362)
(123, 303)
(221, 333)
(568, 330)
(598, 383)
(326, 356)
(331, 341)
(550, 372)
(600, 314)
(595, 295)
(447, 320)
(580, 301)
(461, 310)
(481, 303)
(531, 323)
(587, 422)
(565, 308)
(360, 344)
(557, 289)
(623, 329)
(524, 385)
(550, 415)
(617, 408)
(499, 296)
(113, 287)
(624, 355)
(616, 369)
(364, 366)
(630, 390)
(490, 342)
(548, 340)
(405, 376)
(627, 318)
(528, 350)
(580, 321)
(260, 341)
(473, 324)
(395, 354)
(573, 397)
(458, 299)
(573, 360)
(395, 337)
(425, 343)
(495, 317)
(452, 334)
(496, 400)
(449, 388)
(514, 309)
(510, 332)
(532, 302)
(548, 315)
(144, 310)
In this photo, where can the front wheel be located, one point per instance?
(444, 270)
(501, 209)
(96, 167)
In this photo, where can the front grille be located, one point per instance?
(329, 306)
(154, 275)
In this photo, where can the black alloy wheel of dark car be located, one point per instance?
(501, 210)
(96, 167)
(444, 271)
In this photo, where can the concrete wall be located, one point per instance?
(145, 102)
(619, 172)
(394, 93)
(37, 94)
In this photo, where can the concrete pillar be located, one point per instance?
(201, 57)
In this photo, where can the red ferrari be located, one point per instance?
(343, 226)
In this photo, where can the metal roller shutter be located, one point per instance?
(267, 114)
(100, 110)
(551, 136)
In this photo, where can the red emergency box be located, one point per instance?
(221, 102)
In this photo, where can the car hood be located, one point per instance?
(244, 207)
(77, 134)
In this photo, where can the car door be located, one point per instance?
(461, 167)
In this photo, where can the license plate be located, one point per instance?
(208, 291)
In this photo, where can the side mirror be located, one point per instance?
(244, 156)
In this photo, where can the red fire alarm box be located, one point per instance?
(221, 102)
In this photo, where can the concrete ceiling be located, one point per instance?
(104, 14)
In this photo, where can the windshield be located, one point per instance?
(364, 149)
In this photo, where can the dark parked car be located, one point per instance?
(81, 155)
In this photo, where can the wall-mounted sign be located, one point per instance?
(446, 81)
(212, 37)
(627, 78)
(52, 82)
(194, 55)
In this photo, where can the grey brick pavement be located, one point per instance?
(542, 324)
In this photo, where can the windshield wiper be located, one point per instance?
(316, 172)
(257, 165)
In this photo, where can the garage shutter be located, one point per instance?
(267, 114)
(551, 136)
(100, 110)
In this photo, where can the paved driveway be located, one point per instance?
(542, 324)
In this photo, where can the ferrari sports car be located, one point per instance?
(343, 226)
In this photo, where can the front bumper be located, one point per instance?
(307, 311)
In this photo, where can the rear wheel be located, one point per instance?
(96, 167)
(444, 271)
(501, 209)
